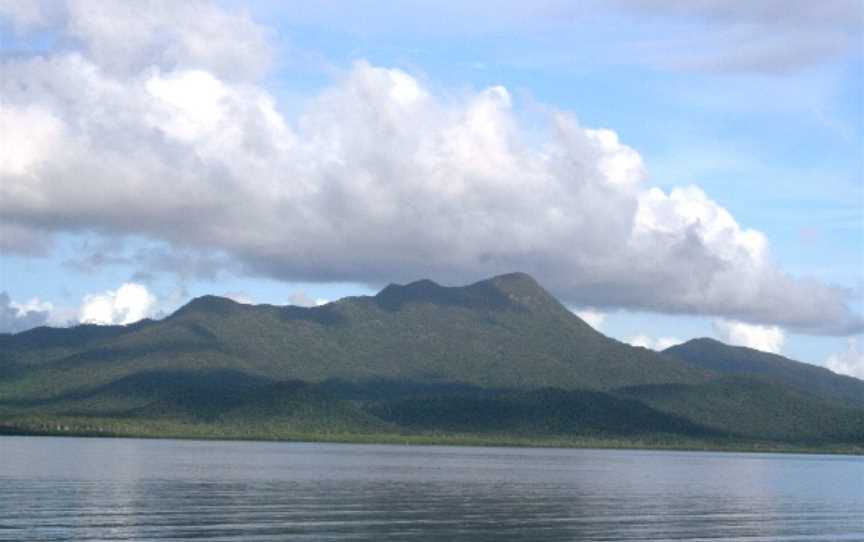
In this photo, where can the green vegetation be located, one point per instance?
(752, 408)
(91, 427)
(738, 360)
(496, 362)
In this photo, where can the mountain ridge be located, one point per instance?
(397, 361)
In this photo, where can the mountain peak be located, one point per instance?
(709, 345)
(515, 282)
(418, 288)
(520, 289)
(394, 296)
(513, 290)
(701, 342)
(515, 276)
(207, 304)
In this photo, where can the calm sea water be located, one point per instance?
(128, 489)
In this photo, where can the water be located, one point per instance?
(129, 489)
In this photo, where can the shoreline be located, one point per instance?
(648, 442)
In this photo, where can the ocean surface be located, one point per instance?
(130, 489)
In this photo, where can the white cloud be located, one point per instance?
(36, 130)
(125, 37)
(658, 343)
(850, 362)
(129, 303)
(33, 305)
(380, 179)
(17, 316)
(593, 317)
(765, 338)
(24, 14)
(302, 299)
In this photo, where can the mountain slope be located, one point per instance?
(232, 402)
(738, 360)
(754, 408)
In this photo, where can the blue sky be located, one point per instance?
(757, 106)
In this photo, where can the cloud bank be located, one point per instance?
(165, 131)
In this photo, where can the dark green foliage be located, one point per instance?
(548, 411)
(221, 398)
(754, 408)
(47, 337)
(381, 389)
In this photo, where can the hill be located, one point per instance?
(738, 360)
(500, 359)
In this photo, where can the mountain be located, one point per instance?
(506, 332)
(497, 358)
(738, 360)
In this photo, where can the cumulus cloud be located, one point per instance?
(380, 179)
(654, 343)
(592, 317)
(765, 338)
(850, 362)
(127, 304)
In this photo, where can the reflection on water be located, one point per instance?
(128, 489)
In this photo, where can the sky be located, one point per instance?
(668, 170)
